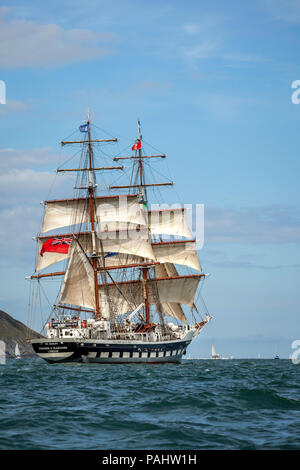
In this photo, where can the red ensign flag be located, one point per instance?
(58, 245)
(137, 146)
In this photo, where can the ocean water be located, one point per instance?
(199, 404)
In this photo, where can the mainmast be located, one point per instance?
(91, 190)
(143, 201)
(141, 183)
(139, 141)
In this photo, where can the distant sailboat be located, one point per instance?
(17, 352)
(214, 355)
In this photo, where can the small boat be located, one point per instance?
(17, 352)
(276, 357)
(214, 355)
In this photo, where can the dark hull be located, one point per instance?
(109, 351)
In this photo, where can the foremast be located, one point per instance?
(91, 188)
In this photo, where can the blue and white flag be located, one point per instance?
(84, 128)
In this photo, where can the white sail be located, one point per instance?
(113, 209)
(214, 354)
(166, 270)
(172, 309)
(159, 222)
(17, 351)
(139, 248)
(64, 213)
(181, 289)
(78, 287)
(177, 252)
(47, 259)
(122, 297)
(169, 222)
(183, 253)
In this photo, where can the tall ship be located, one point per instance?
(121, 297)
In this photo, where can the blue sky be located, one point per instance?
(211, 83)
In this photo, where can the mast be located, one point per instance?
(91, 197)
(140, 165)
(143, 200)
(146, 298)
(141, 183)
(91, 190)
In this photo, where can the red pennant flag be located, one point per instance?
(137, 146)
(58, 245)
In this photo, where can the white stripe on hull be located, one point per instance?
(56, 356)
(132, 360)
(115, 358)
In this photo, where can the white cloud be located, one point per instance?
(24, 176)
(26, 43)
(251, 58)
(23, 183)
(11, 158)
(226, 108)
(204, 37)
(25, 180)
(152, 86)
(271, 224)
(242, 264)
(202, 50)
(12, 107)
(17, 186)
(190, 28)
(210, 37)
(284, 10)
(18, 226)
